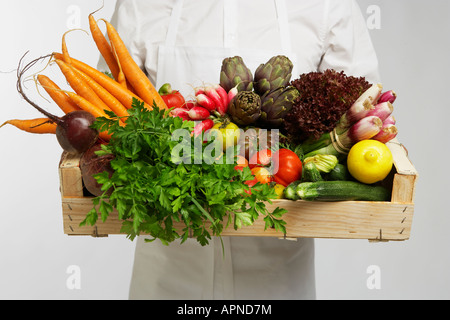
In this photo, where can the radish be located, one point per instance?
(198, 113)
(203, 126)
(206, 102)
(190, 104)
(232, 93)
(181, 112)
(215, 97)
(73, 130)
(199, 90)
(224, 98)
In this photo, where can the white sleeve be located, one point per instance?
(348, 46)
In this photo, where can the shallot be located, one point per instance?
(389, 96)
(362, 106)
(387, 133)
(382, 110)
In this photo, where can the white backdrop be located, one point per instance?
(411, 39)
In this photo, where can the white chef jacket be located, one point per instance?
(317, 34)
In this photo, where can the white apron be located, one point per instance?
(251, 268)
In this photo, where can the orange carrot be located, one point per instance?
(107, 97)
(65, 52)
(39, 125)
(122, 94)
(137, 78)
(86, 105)
(58, 96)
(80, 86)
(104, 47)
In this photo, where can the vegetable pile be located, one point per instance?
(218, 158)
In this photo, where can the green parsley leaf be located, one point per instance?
(158, 181)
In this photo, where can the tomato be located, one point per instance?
(279, 190)
(172, 98)
(241, 163)
(261, 158)
(250, 183)
(262, 175)
(287, 167)
(228, 132)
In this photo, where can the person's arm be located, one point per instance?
(347, 45)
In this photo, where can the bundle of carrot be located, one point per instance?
(94, 91)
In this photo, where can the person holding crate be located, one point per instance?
(184, 42)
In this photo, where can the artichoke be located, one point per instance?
(275, 73)
(276, 104)
(245, 108)
(235, 72)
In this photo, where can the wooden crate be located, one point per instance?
(374, 221)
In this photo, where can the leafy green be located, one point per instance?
(155, 186)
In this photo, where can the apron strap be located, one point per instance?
(230, 25)
(173, 24)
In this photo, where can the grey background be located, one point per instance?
(413, 47)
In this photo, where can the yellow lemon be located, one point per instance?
(369, 161)
(279, 190)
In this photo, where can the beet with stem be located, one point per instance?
(73, 130)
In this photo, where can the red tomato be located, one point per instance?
(262, 175)
(174, 100)
(241, 163)
(261, 158)
(287, 167)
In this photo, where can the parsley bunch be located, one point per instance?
(153, 188)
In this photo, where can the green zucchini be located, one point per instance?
(339, 173)
(341, 191)
(311, 173)
(290, 192)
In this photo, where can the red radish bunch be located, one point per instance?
(210, 102)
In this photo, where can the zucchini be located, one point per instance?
(341, 191)
(339, 173)
(311, 173)
(290, 192)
